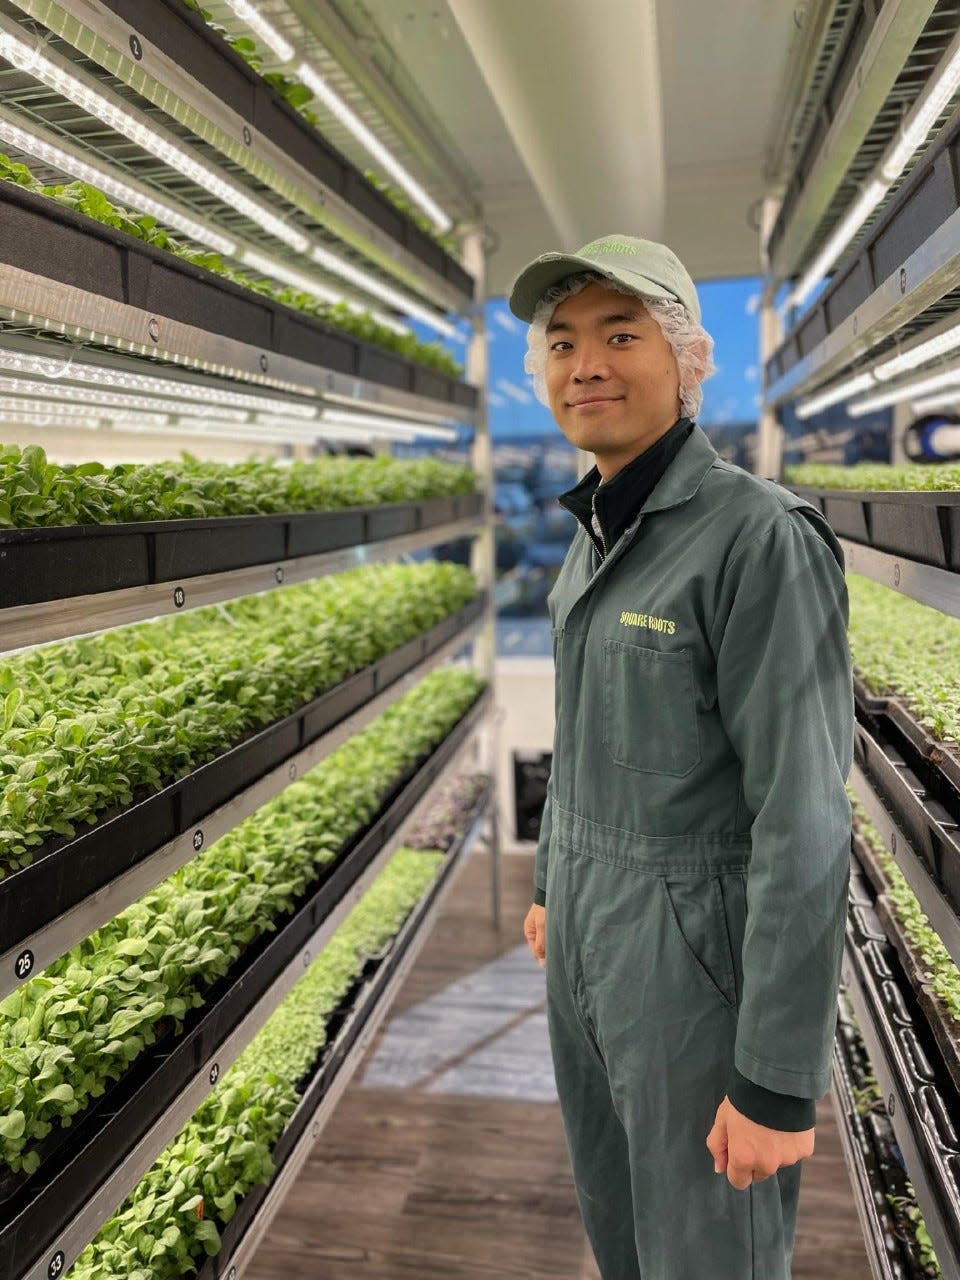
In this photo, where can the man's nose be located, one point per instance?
(591, 362)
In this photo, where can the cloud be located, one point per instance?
(750, 373)
(506, 320)
(498, 401)
(514, 392)
(753, 304)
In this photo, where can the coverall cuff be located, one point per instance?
(540, 896)
(773, 1110)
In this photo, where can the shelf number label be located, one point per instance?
(136, 48)
(179, 597)
(891, 1105)
(215, 1073)
(23, 965)
(247, 135)
(56, 1265)
(278, 574)
(197, 840)
(232, 1274)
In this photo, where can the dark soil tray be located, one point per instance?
(919, 525)
(38, 1210)
(60, 562)
(66, 871)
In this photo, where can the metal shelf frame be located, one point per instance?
(938, 588)
(943, 918)
(358, 1033)
(109, 289)
(908, 260)
(72, 1236)
(38, 946)
(202, 88)
(50, 620)
(900, 1106)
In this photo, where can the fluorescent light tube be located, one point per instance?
(833, 395)
(96, 176)
(949, 340)
(56, 77)
(335, 104)
(309, 284)
(364, 280)
(114, 399)
(862, 208)
(916, 125)
(258, 24)
(896, 395)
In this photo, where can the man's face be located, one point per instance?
(611, 376)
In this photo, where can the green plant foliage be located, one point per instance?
(940, 477)
(171, 1221)
(93, 722)
(910, 1221)
(94, 204)
(902, 647)
(940, 972)
(70, 1031)
(35, 491)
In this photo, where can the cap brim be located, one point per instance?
(533, 282)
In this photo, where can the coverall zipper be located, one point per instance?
(597, 526)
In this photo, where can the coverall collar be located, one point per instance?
(678, 484)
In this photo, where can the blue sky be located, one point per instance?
(731, 395)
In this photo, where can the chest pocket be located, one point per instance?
(649, 709)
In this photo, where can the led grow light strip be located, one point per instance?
(37, 413)
(259, 25)
(37, 64)
(309, 284)
(943, 84)
(949, 340)
(99, 176)
(308, 75)
(896, 395)
(396, 428)
(337, 107)
(834, 394)
(403, 302)
(104, 375)
(12, 386)
(117, 117)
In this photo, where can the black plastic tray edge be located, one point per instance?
(327, 1067)
(173, 810)
(64, 1195)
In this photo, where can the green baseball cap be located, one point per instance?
(642, 265)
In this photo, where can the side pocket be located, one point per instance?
(695, 910)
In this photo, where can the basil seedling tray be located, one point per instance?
(36, 1214)
(344, 1027)
(65, 871)
(63, 561)
(921, 525)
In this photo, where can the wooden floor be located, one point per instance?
(443, 1166)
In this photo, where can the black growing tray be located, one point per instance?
(65, 871)
(352, 1016)
(923, 526)
(44, 237)
(926, 1092)
(205, 55)
(35, 1215)
(60, 562)
(876, 1168)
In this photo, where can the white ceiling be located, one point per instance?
(647, 117)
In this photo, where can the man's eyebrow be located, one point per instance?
(616, 317)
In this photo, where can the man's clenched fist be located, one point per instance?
(534, 930)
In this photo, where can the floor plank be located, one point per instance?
(428, 1168)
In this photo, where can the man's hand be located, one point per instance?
(750, 1152)
(534, 930)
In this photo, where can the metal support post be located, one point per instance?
(483, 556)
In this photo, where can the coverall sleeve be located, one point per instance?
(785, 694)
(543, 844)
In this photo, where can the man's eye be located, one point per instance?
(557, 345)
(628, 336)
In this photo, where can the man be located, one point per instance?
(693, 864)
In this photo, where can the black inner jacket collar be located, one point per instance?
(619, 500)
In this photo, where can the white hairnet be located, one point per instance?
(691, 344)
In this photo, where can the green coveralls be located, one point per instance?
(694, 853)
